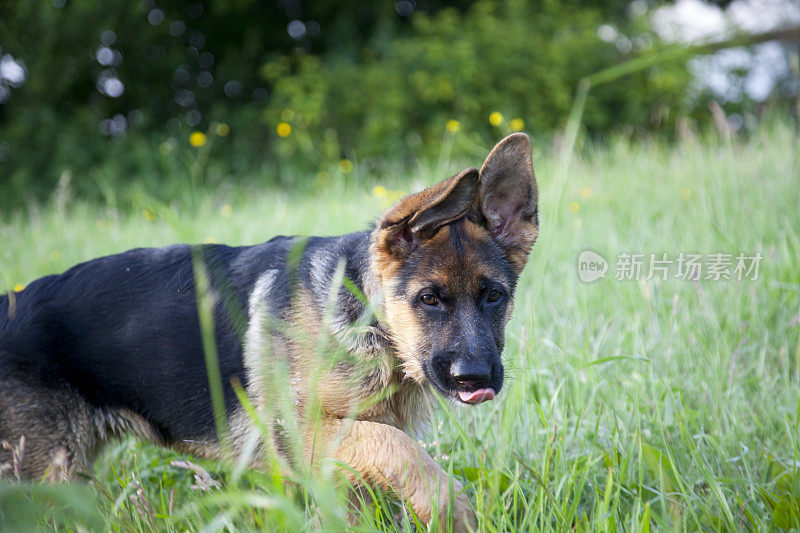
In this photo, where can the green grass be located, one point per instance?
(627, 406)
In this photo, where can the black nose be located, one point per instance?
(466, 371)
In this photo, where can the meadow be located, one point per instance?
(629, 404)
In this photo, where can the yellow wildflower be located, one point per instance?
(495, 119)
(345, 165)
(197, 139)
(210, 240)
(223, 130)
(585, 192)
(284, 129)
(574, 207)
(18, 287)
(452, 126)
(149, 215)
(379, 191)
(226, 210)
(517, 124)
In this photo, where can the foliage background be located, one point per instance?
(360, 80)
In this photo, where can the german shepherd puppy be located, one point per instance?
(417, 304)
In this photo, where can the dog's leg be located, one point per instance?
(53, 433)
(389, 458)
(44, 433)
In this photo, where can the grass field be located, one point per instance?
(629, 404)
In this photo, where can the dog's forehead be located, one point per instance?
(460, 257)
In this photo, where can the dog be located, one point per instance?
(414, 306)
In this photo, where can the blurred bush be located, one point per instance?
(114, 89)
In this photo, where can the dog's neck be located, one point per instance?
(364, 331)
(346, 287)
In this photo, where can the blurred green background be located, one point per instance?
(657, 403)
(107, 94)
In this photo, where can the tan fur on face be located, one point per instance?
(406, 334)
(509, 311)
(460, 272)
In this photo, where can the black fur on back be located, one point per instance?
(123, 330)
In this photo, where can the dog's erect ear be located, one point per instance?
(419, 216)
(507, 198)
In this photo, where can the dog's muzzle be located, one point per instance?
(472, 379)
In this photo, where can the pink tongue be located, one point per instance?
(477, 396)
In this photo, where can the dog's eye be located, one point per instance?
(429, 299)
(493, 296)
